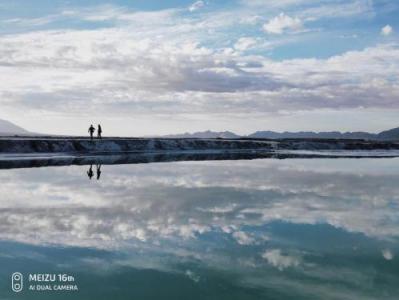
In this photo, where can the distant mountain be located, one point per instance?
(8, 128)
(206, 135)
(311, 134)
(392, 134)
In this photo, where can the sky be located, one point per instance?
(158, 67)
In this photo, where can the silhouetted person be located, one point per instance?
(91, 131)
(90, 173)
(99, 131)
(98, 172)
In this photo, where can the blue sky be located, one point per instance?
(156, 67)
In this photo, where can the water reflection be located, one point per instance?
(19, 161)
(272, 229)
(98, 171)
(90, 172)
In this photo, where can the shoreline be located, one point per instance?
(58, 160)
(34, 152)
(111, 145)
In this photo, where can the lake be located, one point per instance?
(234, 229)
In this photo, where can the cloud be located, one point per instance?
(196, 6)
(387, 254)
(243, 238)
(283, 23)
(120, 71)
(245, 43)
(164, 63)
(164, 217)
(250, 20)
(386, 30)
(297, 193)
(167, 216)
(30, 22)
(280, 261)
(193, 276)
(337, 10)
(274, 4)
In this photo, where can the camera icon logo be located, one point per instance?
(17, 282)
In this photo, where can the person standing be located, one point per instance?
(91, 131)
(99, 131)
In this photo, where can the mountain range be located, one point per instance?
(206, 135)
(8, 128)
(392, 134)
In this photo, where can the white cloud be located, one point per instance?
(243, 238)
(297, 192)
(250, 20)
(196, 6)
(337, 9)
(118, 72)
(386, 30)
(280, 261)
(30, 22)
(245, 43)
(282, 23)
(387, 254)
(156, 63)
(193, 276)
(273, 4)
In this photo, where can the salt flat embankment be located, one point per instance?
(79, 145)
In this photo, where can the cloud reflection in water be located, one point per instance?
(318, 218)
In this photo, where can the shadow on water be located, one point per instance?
(139, 158)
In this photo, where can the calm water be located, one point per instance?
(261, 229)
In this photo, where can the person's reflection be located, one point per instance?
(90, 172)
(98, 171)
